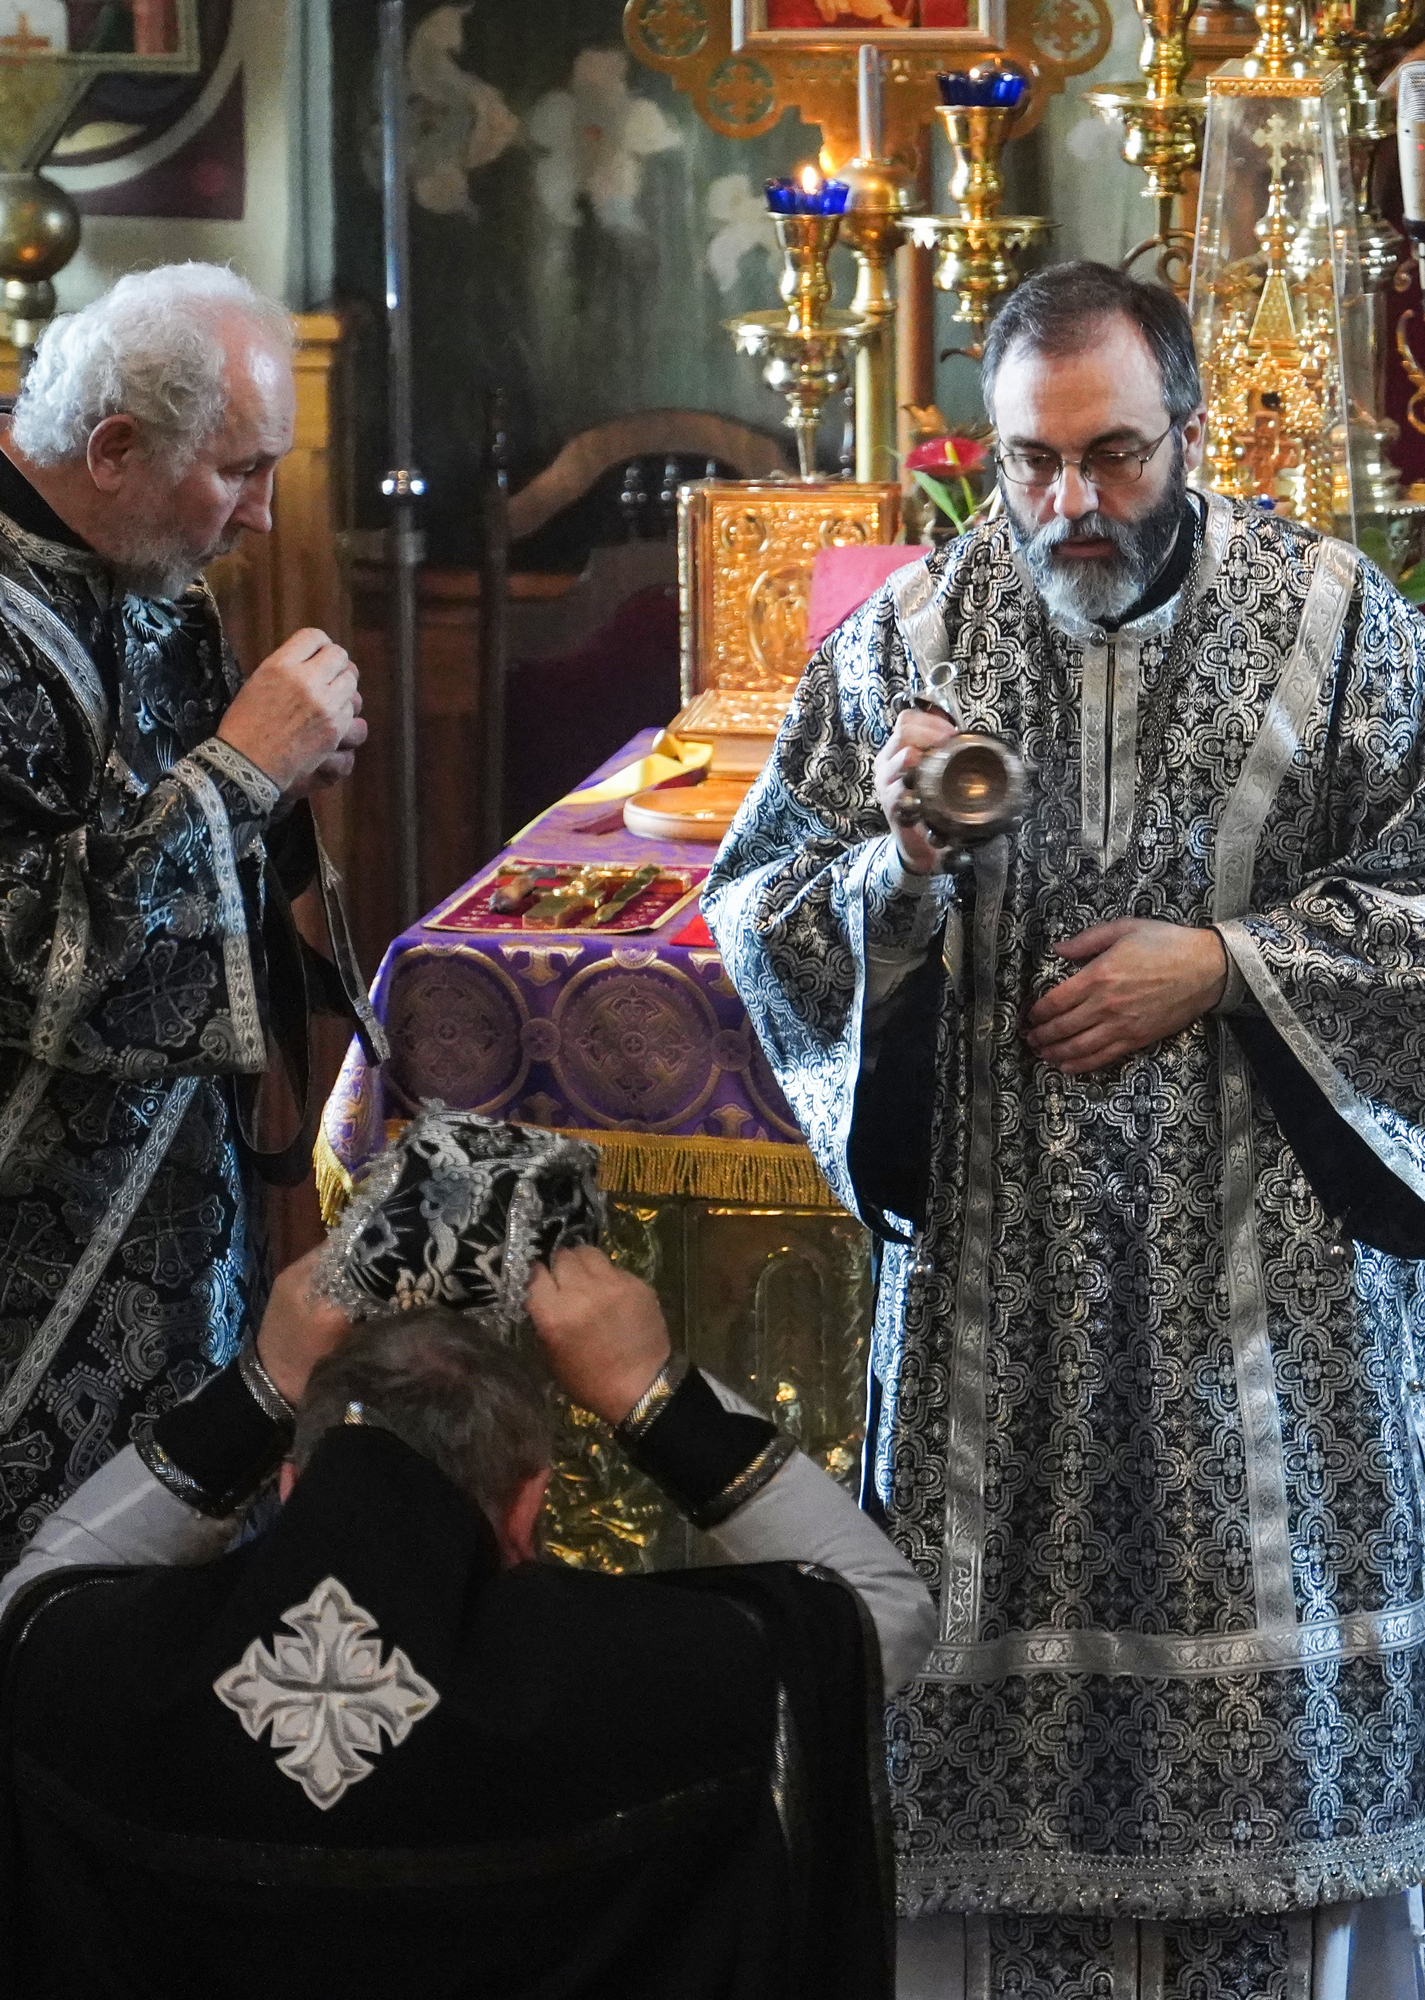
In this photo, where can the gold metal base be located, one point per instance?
(806, 364)
(976, 259)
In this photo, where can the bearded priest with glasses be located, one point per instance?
(1134, 1099)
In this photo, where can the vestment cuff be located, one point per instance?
(250, 796)
(708, 1460)
(1234, 993)
(903, 910)
(215, 1450)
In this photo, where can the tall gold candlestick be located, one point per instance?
(882, 194)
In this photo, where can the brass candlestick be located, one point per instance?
(808, 350)
(1163, 117)
(975, 250)
(882, 195)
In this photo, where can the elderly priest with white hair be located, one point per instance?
(153, 826)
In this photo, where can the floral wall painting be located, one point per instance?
(458, 122)
(578, 237)
(743, 227)
(595, 137)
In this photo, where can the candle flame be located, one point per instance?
(811, 179)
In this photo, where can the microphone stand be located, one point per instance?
(403, 485)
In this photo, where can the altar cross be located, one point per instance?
(1274, 138)
(24, 42)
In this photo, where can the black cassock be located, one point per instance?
(358, 1757)
(140, 919)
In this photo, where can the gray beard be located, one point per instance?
(161, 566)
(1095, 589)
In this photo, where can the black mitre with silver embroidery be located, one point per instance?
(455, 1212)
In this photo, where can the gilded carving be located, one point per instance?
(746, 91)
(677, 29)
(746, 551)
(777, 618)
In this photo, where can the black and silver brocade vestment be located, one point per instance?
(1153, 1418)
(131, 886)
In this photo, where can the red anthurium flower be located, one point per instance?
(946, 454)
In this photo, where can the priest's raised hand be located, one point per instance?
(299, 716)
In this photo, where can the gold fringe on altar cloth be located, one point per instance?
(757, 1172)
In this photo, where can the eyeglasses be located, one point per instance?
(1098, 467)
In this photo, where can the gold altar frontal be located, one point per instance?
(771, 1295)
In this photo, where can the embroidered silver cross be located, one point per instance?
(326, 1693)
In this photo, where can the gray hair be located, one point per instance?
(459, 1397)
(150, 348)
(1059, 311)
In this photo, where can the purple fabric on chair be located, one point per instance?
(565, 714)
(842, 579)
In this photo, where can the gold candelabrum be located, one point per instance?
(1162, 115)
(882, 195)
(808, 351)
(976, 249)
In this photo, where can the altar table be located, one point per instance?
(640, 1044)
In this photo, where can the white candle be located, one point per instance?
(868, 100)
(739, 24)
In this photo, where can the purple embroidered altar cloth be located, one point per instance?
(563, 1028)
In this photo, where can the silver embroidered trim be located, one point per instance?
(1234, 865)
(1295, 1876)
(249, 1051)
(1279, 738)
(963, 1556)
(1123, 681)
(98, 1250)
(182, 1485)
(61, 997)
(1348, 1103)
(747, 1484)
(654, 1400)
(40, 550)
(1093, 745)
(262, 793)
(1179, 1655)
(29, 614)
(325, 1694)
(1263, 1449)
(917, 595)
(260, 1385)
(20, 1106)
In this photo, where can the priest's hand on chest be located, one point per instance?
(1139, 982)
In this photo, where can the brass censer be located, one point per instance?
(964, 795)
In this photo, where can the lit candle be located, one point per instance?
(809, 194)
(868, 101)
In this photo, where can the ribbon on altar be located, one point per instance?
(667, 760)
